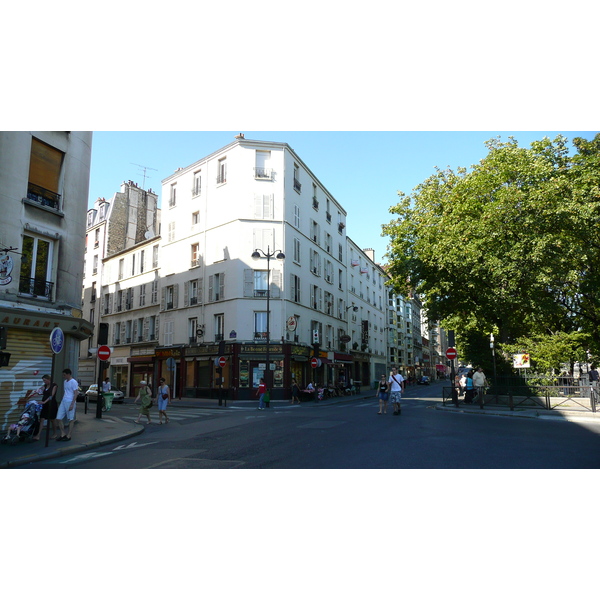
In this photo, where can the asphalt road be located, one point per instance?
(344, 436)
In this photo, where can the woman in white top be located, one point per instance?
(162, 399)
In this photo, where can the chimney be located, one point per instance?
(370, 253)
(239, 136)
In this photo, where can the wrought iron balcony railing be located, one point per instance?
(42, 196)
(39, 288)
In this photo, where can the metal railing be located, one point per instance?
(39, 288)
(42, 196)
(547, 397)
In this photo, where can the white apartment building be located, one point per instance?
(44, 183)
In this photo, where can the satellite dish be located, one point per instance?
(147, 235)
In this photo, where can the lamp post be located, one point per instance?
(494, 361)
(279, 255)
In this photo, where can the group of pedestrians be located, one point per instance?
(163, 398)
(471, 384)
(391, 389)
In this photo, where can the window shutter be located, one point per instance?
(222, 286)
(211, 297)
(163, 292)
(45, 165)
(175, 295)
(275, 286)
(258, 206)
(186, 294)
(293, 286)
(248, 283)
(200, 290)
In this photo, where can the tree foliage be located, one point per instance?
(511, 246)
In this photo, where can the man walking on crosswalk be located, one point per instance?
(395, 388)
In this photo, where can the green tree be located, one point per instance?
(511, 246)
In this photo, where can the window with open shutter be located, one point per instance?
(44, 174)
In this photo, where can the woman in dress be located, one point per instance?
(145, 398)
(49, 404)
(163, 399)
(382, 394)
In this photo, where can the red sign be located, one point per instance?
(103, 352)
(314, 362)
(451, 353)
(222, 361)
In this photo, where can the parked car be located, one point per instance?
(423, 380)
(92, 394)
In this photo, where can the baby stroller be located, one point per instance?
(27, 425)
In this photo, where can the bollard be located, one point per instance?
(510, 401)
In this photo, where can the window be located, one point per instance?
(133, 264)
(138, 332)
(315, 263)
(142, 253)
(36, 267)
(193, 292)
(93, 297)
(216, 287)
(106, 304)
(316, 297)
(117, 334)
(173, 195)
(155, 256)
(195, 255)
(260, 326)
(45, 167)
(328, 271)
(95, 265)
(219, 327)
(315, 202)
(260, 283)
(297, 184)
(295, 287)
(96, 238)
(222, 171)
(143, 294)
(340, 253)
(340, 279)
(121, 268)
(195, 218)
(152, 327)
(297, 250)
(315, 232)
(262, 170)
(296, 216)
(327, 213)
(197, 184)
(328, 243)
(192, 328)
(169, 297)
(329, 308)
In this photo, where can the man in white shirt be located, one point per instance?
(395, 388)
(106, 387)
(67, 405)
(479, 382)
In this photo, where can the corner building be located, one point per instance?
(215, 213)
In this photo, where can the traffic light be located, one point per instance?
(103, 334)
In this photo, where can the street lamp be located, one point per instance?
(494, 361)
(279, 255)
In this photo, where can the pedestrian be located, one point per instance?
(145, 398)
(395, 389)
(594, 379)
(463, 383)
(469, 388)
(295, 392)
(162, 399)
(382, 394)
(49, 404)
(67, 406)
(479, 383)
(260, 394)
(106, 387)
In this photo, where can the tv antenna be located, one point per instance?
(145, 169)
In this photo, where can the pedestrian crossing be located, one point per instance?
(177, 415)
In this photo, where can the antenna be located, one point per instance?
(145, 169)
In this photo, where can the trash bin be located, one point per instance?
(108, 400)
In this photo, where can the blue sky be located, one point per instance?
(362, 170)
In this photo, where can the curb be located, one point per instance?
(526, 414)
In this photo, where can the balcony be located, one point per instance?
(260, 336)
(297, 185)
(260, 293)
(221, 178)
(38, 288)
(263, 173)
(42, 196)
(169, 305)
(219, 337)
(315, 203)
(193, 301)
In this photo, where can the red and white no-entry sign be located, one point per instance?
(103, 352)
(451, 353)
(315, 362)
(222, 361)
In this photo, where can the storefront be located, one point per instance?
(252, 365)
(28, 343)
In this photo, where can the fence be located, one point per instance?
(548, 397)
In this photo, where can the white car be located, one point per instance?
(92, 394)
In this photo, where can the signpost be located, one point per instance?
(315, 362)
(57, 343)
(451, 354)
(104, 353)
